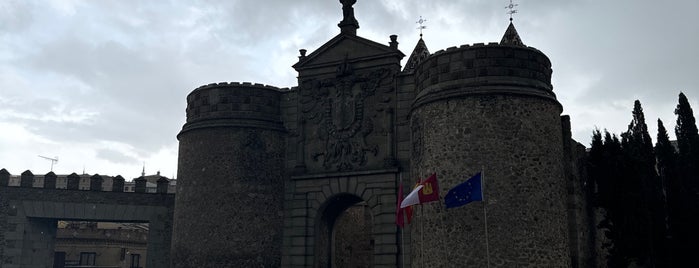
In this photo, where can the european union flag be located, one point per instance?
(465, 193)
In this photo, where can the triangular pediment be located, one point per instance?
(344, 46)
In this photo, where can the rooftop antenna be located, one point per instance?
(511, 8)
(421, 27)
(53, 160)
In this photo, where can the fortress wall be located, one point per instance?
(28, 218)
(471, 113)
(228, 210)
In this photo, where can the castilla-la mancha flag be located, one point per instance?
(427, 191)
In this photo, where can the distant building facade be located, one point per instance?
(100, 244)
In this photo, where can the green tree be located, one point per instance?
(687, 222)
(631, 194)
(666, 157)
(607, 170)
(646, 189)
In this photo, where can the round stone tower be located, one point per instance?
(228, 208)
(490, 108)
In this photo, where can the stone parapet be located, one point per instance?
(234, 104)
(483, 69)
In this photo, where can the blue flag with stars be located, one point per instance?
(465, 193)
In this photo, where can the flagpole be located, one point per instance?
(402, 232)
(422, 237)
(485, 217)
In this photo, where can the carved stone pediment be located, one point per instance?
(343, 45)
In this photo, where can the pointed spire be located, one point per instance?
(511, 37)
(143, 173)
(349, 24)
(420, 53)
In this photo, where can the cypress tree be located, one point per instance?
(610, 170)
(596, 163)
(687, 143)
(667, 170)
(686, 132)
(688, 169)
(647, 190)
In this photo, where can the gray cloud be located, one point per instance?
(116, 156)
(119, 71)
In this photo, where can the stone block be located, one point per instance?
(327, 192)
(297, 253)
(335, 185)
(297, 221)
(385, 218)
(385, 249)
(298, 212)
(298, 241)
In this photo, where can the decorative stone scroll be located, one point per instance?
(337, 107)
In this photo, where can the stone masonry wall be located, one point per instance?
(230, 178)
(28, 220)
(517, 141)
(229, 199)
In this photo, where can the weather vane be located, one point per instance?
(511, 8)
(421, 27)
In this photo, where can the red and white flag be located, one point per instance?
(427, 191)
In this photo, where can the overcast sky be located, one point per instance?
(102, 84)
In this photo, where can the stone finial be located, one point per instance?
(73, 181)
(349, 24)
(26, 179)
(96, 183)
(163, 184)
(302, 54)
(4, 177)
(394, 41)
(118, 184)
(50, 180)
(140, 184)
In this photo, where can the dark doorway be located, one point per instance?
(344, 233)
(352, 237)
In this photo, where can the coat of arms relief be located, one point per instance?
(339, 108)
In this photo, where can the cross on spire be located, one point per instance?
(511, 8)
(421, 27)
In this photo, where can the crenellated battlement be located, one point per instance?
(95, 183)
(480, 68)
(240, 84)
(234, 104)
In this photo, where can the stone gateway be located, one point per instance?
(308, 176)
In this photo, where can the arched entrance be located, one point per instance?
(345, 233)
